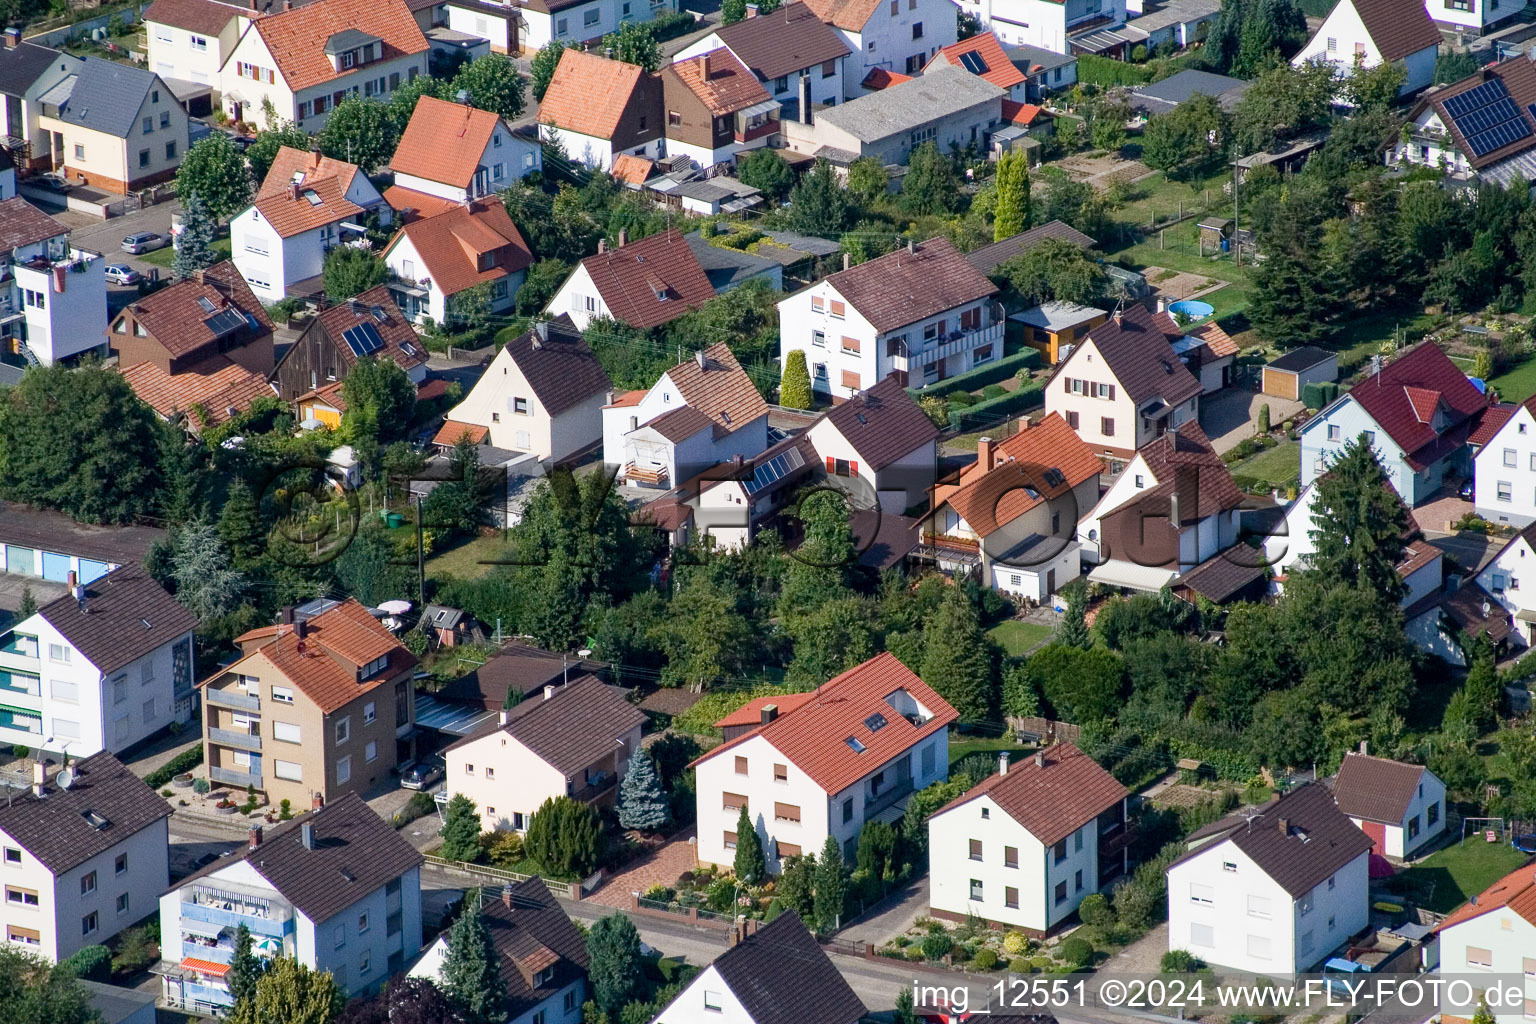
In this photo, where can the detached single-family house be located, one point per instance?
(1363, 34)
(304, 61)
(1447, 624)
(921, 314)
(1047, 24)
(983, 56)
(1505, 468)
(336, 888)
(880, 437)
(598, 109)
(456, 152)
(1272, 892)
(1023, 847)
(366, 326)
(1478, 128)
(1048, 70)
(1501, 579)
(86, 853)
(573, 741)
(308, 205)
(541, 956)
(1471, 19)
(873, 735)
(948, 106)
(779, 973)
(113, 126)
(571, 22)
(1416, 413)
(702, 412)
(53, 297)
(1491, 933)
(543, 393)
(27, 72)
(187, 40)
(716, 109)
(319, 704)
(788, 49)
(989, 258)
(881, 36)
(101, 668)
(1399, 806)
(1172, 509)
(435, 259)
(200, 350)
(1123, 385)
(1014, 511)
(643, 284)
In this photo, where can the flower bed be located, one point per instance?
(973, 946)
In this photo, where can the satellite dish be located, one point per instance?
(66, 778)
(1487, 608)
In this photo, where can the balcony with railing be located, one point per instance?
(227, 909)
(18, 649)
(236, 738)
(233, 777)
(758, 129)
(953, 343)
(894, 793)
(24, 687)
(229, 698)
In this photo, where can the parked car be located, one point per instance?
(421, 775)
(53, 181)
(1468, 489)
(119, 273)
(144, 241)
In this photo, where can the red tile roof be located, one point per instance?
(1516, 890)
(814, 736)
(1398, 30)
(751, 713)
(181, 318)
(1021, 113)
(650, 282)
(999, 71)
(909, 285)
(714, 383)
(845, 14)
(420, 204)
(631, 169)
(395, 330)
(452, 430)
(296, 39)
(989, 499)
(1216, 340)
(588, 93)
(217, 386)
(444, 141)
(880, 78)
(1490, 420)
(1052, 794)
(726, 87)
(330, 395)
(451, 244)
(305, 190)
(1398, 396)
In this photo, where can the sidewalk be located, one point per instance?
(158, 753)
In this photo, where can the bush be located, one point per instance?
(1094, 910)
(135, 951)
(992, 391)
(502, 848)
(913, 953)
(990, 373)
(93, 963)
(1180, 961)
(200, 786)
(1139, 53)
(178, 765)
(1015, 943)
(1020, 965)
(936, 945)
(1075, 953)
(21, 750)
(986, 959)
(1023, 400)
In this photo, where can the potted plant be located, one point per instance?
(225, 806)
(182, 781)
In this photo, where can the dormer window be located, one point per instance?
(544, 977)
(486, 261)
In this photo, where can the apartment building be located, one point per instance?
(53, 296)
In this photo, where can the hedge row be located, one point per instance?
(1025, 399)
(1318, 394)
(178, 765)
(1004, 369)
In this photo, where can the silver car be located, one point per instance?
(144, 241)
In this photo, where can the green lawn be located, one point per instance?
(165, 257)
(1447, 879)
(1277, 467)
(1518, 384)
(464, 561)
(1018, 638)
(964, 746)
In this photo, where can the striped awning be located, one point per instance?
(212, 931)
(207, 967)
(13, 709)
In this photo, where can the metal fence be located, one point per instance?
(691, 913)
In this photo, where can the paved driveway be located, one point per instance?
(1229, 415)
(661, 867)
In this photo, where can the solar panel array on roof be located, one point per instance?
(775, 469)
(1488, 118)
(225, 322)
(363, 339)
(974, 62)
(1483, 95)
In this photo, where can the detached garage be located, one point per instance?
(50, 545)
(1287, 375)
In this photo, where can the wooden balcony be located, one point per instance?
(650, 476)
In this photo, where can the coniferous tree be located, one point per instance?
(750, 864)
(1359, 523)
(471, 975)
(28, 603)
(194, 246)
(240, 523)
(461, 829)
(957, 661)
(1012, 213)
(795, 387)
(1073, 631)
(613, 963)
(642, 804)
(831, 886)
(513, 698)
(244, 967)
(818, 204)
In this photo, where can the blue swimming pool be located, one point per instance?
(1193, 308)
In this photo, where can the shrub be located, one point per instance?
(178, 765)
(1180, 961)
(985, 960)
(135, 951)
(93, 963)
(992, 391)
(1139, 53)
(1015, 943)
(1094, 910)
(913, 953)
(1075, 953)
(21, 750)
(1020, 965)
(503, 848)
(167, 793)
(285, 808)
(936, 945)
(200, 786)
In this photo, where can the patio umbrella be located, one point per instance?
(395, 607)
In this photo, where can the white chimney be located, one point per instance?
(549, 691)
(501, 718)
(39, 775)
(1002, 763)
(1039, 759)
(701, 359)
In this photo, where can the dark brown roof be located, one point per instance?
(1138, 348)
(394, 328)
(56, 830)
(989, 257)
(652, 281)
(1319, 839)
(1376, 789)
(1053, 800)
(575, 726)
(782, 42)
(55, 531)
(558, 364)
(126, 615)
(714, 383)
(679, 424)
(1519, 76)
(1465, 607)
(355, 852)
(214, 306)
(781, 974)
(909, 285)
(526, 669)
(205, 17)
(1223, 576)
(528, 928)
(1397, 29)
(882, 424)
(21, 224)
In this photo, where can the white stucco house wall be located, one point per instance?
(1492, 934)
(59, 291)
(188, 41)
(1047, 24)
(1508, 578)
(899, 36)
(1505, 471)
(1364, 33)
(1399, 806)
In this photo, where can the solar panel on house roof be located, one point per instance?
(775, 469)
(1498, 136)
(363, 339)
(223, 323)
(1472, 99)
(974, 62)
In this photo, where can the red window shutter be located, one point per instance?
(853, 468)
(831, 465)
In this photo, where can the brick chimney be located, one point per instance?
(74, 584)
(253, 836)
(317, 802)
(12, 38)
(984, 454)
(704, 65)
(1285, 826)
(506, 896)
(623, 237)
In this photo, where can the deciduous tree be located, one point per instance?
(766, 171)
(33, 990)
(634, 44)
(613, 963)
(930, 185)
(350, 271)
(1054, 270)
(214, 168)
(292, 993)
(1188, 141)
(542, 68)
(361, 131)
(493, 83)
(263, 151)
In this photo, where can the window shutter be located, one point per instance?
(831, 465)
(851, 380)
(850, 344)
(853, 468)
